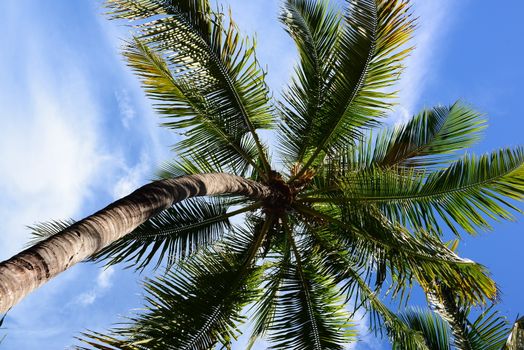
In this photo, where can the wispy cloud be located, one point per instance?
(104, 281)
(127, 112)
(136, 112)
(132, 177)
(435, 20)
(53, 154)
(365, 338)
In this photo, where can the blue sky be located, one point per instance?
(78, 133)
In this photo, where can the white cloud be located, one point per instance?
(434, 23)
(127, 112)
(104, 281)
(132, 177)
(144, 122)
(365, 337)
(54, 152)
(87, 298)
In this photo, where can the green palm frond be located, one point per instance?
(434, 329)
(451, 329)
(344, 269)
(173, 234)
(369, 54)
(196, 164)
(202, 75)
(430, 138)
(382, 316)
(275, 272)
(188, 166)
(489, 331)
(309, 312)
(43, 230)
(375, 243)
(314, 26)
(463, 194)
(198, 304)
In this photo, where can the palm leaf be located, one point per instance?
(197, 305)
(202, 75)
(314, 27)
(374, 242)
(309, 313)
(369, 58)
(188, 166)
(429, 137)
(173, 234)
(460, 194)
(275, 272)
(345, 271)
(44, 230)
(433, 328)
(489, 331)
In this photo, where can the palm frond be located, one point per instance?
(173, 234)
(202, 76)
(374, 242)
(198, 304)
(309, 313)
(433, 328)
(353, 279)
(188, 166)
(369, 56)
(196, 164)
(489, 331)
(430, 137)
(275, 272)
(460, 194)
(314, 26)
(44, 230)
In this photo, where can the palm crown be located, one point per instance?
(353, 208)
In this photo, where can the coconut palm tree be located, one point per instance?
(516, 337)
(489, 331)
(346, 209)
(449, 325)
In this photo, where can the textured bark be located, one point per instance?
(444, 303)
(516, 337)
(31, 268)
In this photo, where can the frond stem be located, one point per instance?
(300, 271)
(347, 105)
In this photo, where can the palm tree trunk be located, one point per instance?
(444, 303)
(34, 266)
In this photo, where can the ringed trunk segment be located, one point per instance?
(34, 266)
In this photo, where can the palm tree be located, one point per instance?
(449, 326)
(489, 331)
(347, 210)
(516, 337)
